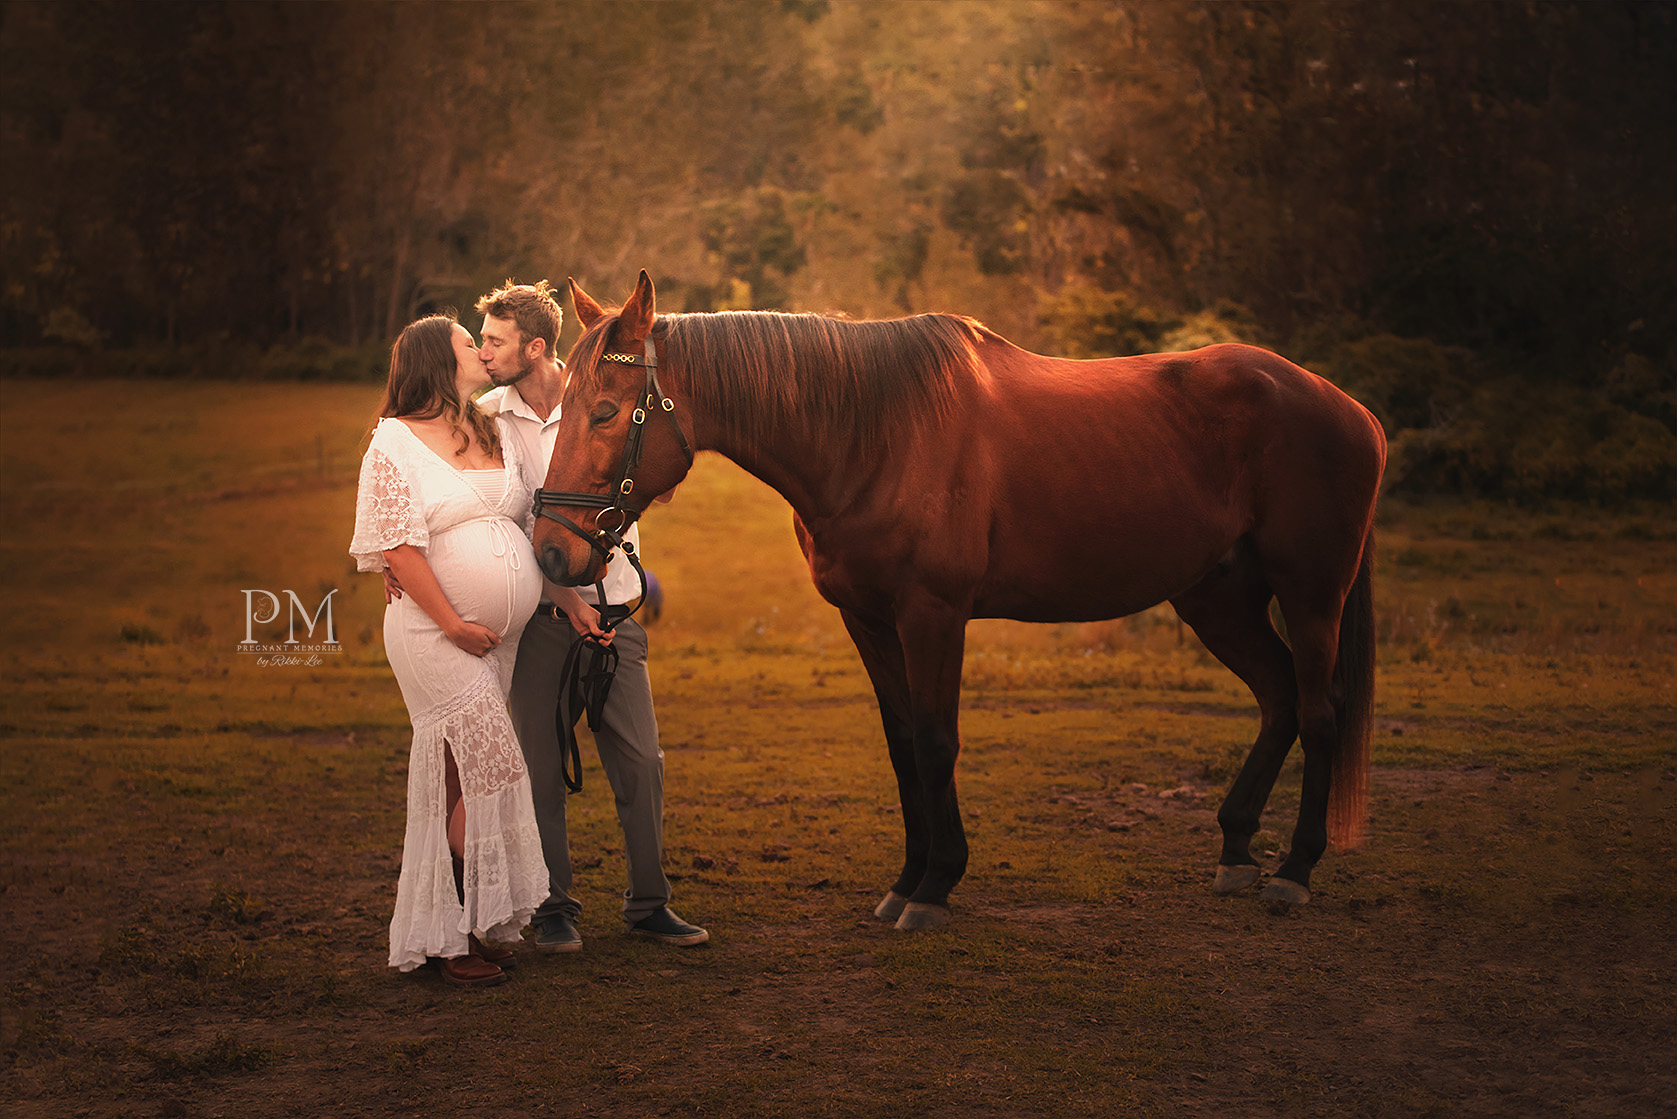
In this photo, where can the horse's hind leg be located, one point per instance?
(1314, 630)
(882, 656)
(1229, 612)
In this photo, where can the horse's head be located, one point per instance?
(620, 442)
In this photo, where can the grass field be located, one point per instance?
(198, 850)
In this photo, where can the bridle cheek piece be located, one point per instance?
(603, 540)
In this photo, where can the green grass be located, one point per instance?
(200, 853)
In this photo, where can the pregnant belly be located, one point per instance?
(489, 574)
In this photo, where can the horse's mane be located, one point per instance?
(833, 380)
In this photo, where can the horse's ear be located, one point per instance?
(588, 312)
(634, 322)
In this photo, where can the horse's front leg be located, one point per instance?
(933, 635)
(882, 656)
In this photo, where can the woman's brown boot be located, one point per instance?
(496, 958)
(493, 954)
(472, 971)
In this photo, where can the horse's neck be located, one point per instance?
(812, 488)
(818, 477)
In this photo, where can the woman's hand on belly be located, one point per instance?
(416, 576)
(477, 640)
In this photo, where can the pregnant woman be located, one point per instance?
(442, 508)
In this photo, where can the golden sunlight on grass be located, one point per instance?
(208, 845)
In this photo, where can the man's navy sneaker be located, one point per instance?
(558, 934)
(666, 928)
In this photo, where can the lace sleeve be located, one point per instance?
(386, 515)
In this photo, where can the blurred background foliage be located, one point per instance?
(1462, 213)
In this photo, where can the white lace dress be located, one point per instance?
(473, 527)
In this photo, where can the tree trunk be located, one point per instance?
(354, 307)
(398, 269)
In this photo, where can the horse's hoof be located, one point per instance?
(1284, 896)
(891, 907)
(1233, 879)
(918, 915)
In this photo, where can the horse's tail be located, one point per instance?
(1354, 704)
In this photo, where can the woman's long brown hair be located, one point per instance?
(421, 384)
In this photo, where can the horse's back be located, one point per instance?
(1151, 468)
(1228, 401)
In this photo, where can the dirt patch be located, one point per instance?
(1449, 998)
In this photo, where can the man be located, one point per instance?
(520, 331)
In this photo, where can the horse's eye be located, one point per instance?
(602, 413)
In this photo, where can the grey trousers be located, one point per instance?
(629, 754)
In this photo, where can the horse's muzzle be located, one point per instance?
(557, 566)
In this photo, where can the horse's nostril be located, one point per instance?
(552, 562)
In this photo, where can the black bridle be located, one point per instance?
(604, 540)
(586, 687)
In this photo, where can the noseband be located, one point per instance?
(603, 540)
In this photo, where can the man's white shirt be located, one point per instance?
(536, 437)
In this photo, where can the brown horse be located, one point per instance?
(938, 473)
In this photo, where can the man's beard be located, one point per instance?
(502, 380)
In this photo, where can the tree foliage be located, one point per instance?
(1425, 199)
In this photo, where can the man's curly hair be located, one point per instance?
(533, 308)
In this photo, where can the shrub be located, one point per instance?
(1087, 322)
(1084, 322)
(70, 326)
(1225, 322)
(1405, 382)
(231, 359)
(1639, 385)
(1531, 443)
(46, 363)
(316, 359)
